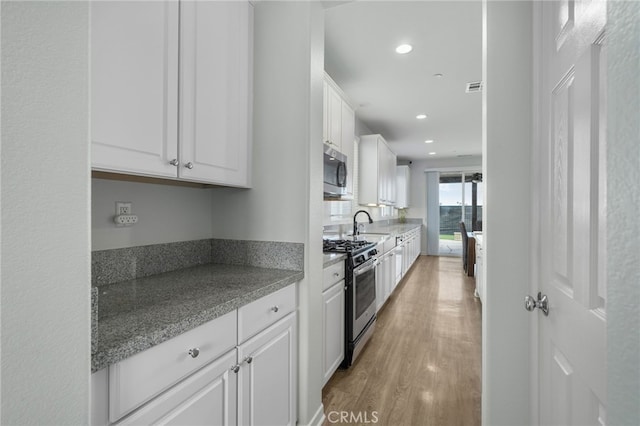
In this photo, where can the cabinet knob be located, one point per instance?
(194, 352)
(275, 308)
(174, 162)
(336, 274)
(249, 359)
(235, 368)
(189, 165)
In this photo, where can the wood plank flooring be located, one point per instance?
(423, 364)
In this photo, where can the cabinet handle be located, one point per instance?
(189, 165)
(275, 308)
(174, 162)
(194, 352)
(235, 368)
(249, 359)
(336, 274)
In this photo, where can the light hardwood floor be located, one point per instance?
(423, 364)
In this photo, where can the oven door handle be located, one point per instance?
(362, 269)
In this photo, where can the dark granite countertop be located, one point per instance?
(137, 314)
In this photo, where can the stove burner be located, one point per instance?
(343, 246)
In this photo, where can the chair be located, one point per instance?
(468, 250)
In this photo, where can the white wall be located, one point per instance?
(45, 213)
(623, 205)
(285, 203)
(507, 139)
(165, 214)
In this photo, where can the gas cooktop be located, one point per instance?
(344, 246)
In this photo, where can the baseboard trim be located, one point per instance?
(317, 419)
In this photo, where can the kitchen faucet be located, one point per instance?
(355, 223)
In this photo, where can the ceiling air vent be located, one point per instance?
(474, 86)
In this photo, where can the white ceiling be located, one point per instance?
(389, 90)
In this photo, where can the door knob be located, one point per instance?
(542, 303)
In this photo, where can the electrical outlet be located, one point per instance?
(124, 216)
(123, 207)
(125, 219)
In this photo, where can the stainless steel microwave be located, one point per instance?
(335, 173)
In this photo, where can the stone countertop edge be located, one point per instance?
(333, 258)
(108, 354)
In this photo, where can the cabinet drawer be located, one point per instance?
(208, 396)
(258, 315)
(332, 274)
(141, 377)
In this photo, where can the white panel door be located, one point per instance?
(267, 377)
(333, 329)
(134, 87)
(572, 337)
(215, 91)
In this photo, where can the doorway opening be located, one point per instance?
(460, 197)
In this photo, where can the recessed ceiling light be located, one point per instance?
(438, 75)
(421, 116)
(404, 48)
(432, 153)
(429, 141)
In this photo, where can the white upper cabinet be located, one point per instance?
(215, 73)
(134, 87)
(157, 114)
(332, 132)
(348, 136)
(339, 125)
(402, 186)
(377, 172)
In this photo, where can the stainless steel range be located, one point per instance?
(360, 300)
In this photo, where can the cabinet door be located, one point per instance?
(325, 112)
(207, 397)
(388, 279)
(267, 377)
(134, 87)
(398, 262)
(380, 293)
(382, 172)
(215, 84)
(335, 118)
(333, 329)
(391, 176)
(348, 135)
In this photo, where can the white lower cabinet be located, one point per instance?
(209, 375)
(398, 259)
(385, 278)
(207, 397)
(267, 376)
(333, 311)
(333, 319)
